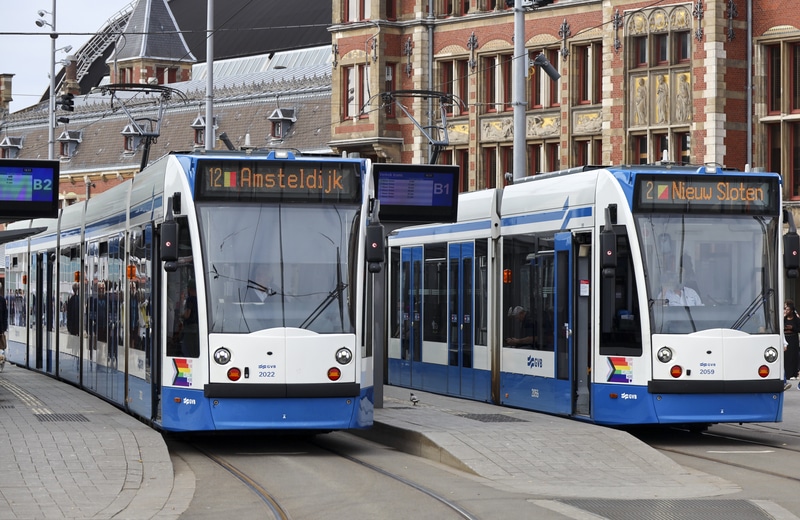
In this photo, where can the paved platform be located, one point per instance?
(68, 454)
(579, 470)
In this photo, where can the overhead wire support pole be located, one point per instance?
(519, 63)
(209, 137)
(51, 115)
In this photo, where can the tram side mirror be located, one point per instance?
(608, 252)
(791, 254)
(169, 241)
(375, 252)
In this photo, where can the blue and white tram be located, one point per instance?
(625, 295)
(213, 291)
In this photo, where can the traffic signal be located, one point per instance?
(67, 102)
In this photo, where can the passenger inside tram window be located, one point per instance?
(526, 334)
(191, 332)
(100, 315)
(676, 293)
(688, 275)
(74, 311)
(260, 285)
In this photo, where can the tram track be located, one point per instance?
(276, 504)
(463, 513)
(263, 495)
(768, 437)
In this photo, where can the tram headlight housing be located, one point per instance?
(222, 356)
(664, 354)
(771, 354)
(344, 356)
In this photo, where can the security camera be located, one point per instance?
(40, 23)
(542, 61)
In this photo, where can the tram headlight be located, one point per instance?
(344, 356)
(771, 354)
(222, 356)
(664, 354)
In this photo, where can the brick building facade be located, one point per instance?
(640, 82)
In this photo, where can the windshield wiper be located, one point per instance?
(751, 309)
(335, 294)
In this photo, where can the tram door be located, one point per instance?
(564, 326)
(42, 313)
(51, 311)
(460, 372)
(36, 309)
(411, 319)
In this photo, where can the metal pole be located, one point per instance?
(750, 83)
(51, 140)
(210, 78)
(518, 92)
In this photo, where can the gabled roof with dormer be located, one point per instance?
(11, 142)
(153, 34)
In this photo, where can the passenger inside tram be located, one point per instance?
(526, 335)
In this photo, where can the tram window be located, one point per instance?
(481, 293)
(184, 338)
(620, 320)
(395, 312)
(528, 262)
(434, 305)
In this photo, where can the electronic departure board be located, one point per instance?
(278, 180)
(417, 192)
(28, 188)
(707, 194)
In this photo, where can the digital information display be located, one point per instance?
(282, 180)
(707, 194)
(28, 188)
(417, 193)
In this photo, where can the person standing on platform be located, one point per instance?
(3, 322)
(791, 354)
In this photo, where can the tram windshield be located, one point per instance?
(710, 271)
(281, 265)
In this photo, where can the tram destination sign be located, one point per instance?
(417, 192)
(707, 194)
(28, 188)
(269, 180)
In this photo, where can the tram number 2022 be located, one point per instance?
(265, 372)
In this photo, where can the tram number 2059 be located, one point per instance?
(707, 369)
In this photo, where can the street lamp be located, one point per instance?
(41, 22)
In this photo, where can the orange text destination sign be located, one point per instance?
(279, 180)
(707, 193)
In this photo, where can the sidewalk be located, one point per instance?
(67, 454)
(577, 469)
